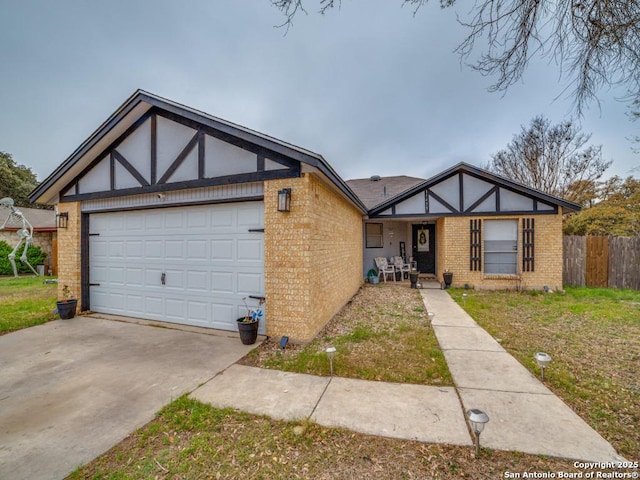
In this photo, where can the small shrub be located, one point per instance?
(35, 256)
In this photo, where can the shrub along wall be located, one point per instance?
(35, 256)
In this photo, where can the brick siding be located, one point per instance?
(313, 256)
(454, 249)
(69, 252)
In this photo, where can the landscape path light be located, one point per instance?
(331, 351)
(543, 360)
(431, 316)
(477, 419)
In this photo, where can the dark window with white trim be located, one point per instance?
(500, 247)
(373, 235)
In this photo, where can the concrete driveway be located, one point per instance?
(71, 389)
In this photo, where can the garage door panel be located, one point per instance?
(174, 220)
(221, 219)
(99, 300)
(209, 259)
(174, 279)
(153, 249)
(153, 277)
(250, 250)
(135, 277)
(154, 305)
(174, 250)
(116, 275)
(117, 299)
(198, 311)
(114, 223)
(197, 250)
(198, 219)
(222, 282)
(222, 250)
(223, 313)
(198, 281)
(134, 250)
(249, 284)
(98, 274)
(99, 248)
(249, 218)
(175, 308)
(135, 304)
(153, 220)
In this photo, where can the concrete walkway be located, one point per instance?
(524, 414)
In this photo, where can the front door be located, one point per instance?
(424, 247)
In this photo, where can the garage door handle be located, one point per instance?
(163, 277)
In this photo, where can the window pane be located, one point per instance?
(373, 235)
(500, 263)
(500, 246)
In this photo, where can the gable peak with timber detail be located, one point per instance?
(165, 151)
(465, 190)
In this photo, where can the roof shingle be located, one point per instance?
(374, 192)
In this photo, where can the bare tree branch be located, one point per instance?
(595, 43)
(553, 159)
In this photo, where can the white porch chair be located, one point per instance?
(401, 266)
(384, 268)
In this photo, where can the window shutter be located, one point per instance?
(528, 245)
(475, 256)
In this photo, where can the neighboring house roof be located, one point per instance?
(41, 220)
(465, 168)
(376, 190)
(136, 106)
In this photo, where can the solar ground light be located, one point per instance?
(542, 359)
(477, 419)
(330, 351)
(431, 316)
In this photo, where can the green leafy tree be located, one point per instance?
(594, 43)
(16, 181)
(617, 213)
(554, 159)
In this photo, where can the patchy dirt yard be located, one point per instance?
(382, 334)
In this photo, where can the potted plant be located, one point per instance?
(372, 275)
(448, 278)
(67, 306)
(413, 277)
(248, 325)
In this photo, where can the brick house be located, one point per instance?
(490, 232)
(175, 215)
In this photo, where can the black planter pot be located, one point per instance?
(248, 331)
(67, 308)
(413, 277)
(448, 278)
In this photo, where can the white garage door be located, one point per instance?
(189, 265)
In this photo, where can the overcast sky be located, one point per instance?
(372, 88)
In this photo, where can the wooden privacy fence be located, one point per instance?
(602, 262)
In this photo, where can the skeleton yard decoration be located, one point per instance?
(25, 234)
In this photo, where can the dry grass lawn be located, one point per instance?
(593, 336)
